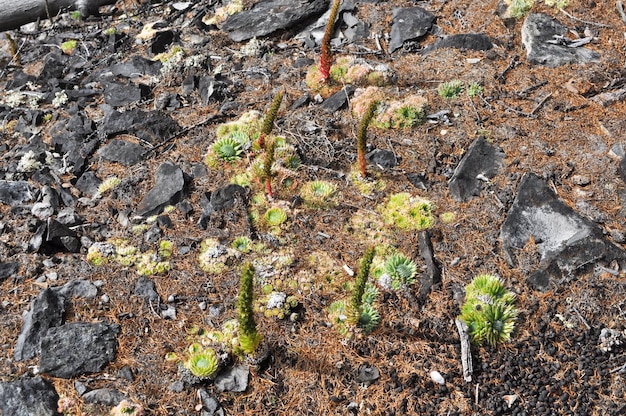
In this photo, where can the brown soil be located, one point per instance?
(312, 369)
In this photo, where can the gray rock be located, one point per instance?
(46, 311)
(312, 35)
(210, 406)
(168, 186)
(176, 387)
(28, 397)
(481, 162)
(73, 138)
(8, 270)
(136, 67)
(60, 237)
(48, 205)
(338, 100)
(268, 16)
(123, 152)
(368, 374)
(88, 183)
(233, 379)
(107, 397)
(546, 44)
(15, 192)
(566, 241)
(118, 94)
(409, 23)
(77, 288)
(464, 41)
(385, 159)
(78, 348)
(146, 289)
(152, 127)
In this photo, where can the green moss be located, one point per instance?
(407, 212)
(474, 89)
(449, 90)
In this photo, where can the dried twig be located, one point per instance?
(511, 65)
(584, 321)
(584, 21)
(541, 103)
(466, 354)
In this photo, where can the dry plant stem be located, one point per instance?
(466, 354)
(361, 137)
(326, 58)
(270, 147)
(268, 121)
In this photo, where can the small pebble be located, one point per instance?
(105, 298)
(437, 378)
(202, 305)
(581, 180)
(171, 298)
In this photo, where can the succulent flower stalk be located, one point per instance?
(249, 338)
(268, 121)
(326, 58)
(361, 137)
(356, 300)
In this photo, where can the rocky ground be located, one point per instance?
(117, 231)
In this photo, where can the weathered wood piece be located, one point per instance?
(15, 13)
(466, 354)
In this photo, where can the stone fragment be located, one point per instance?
(566, 242)
(409, 23)
(117, 94)
(74, 138)
(146, 289)
(233, 379)
(28, 397)
(136, 66)
(15, 192)
(368, 374)
(210, 406)
(77, 288)
(107, 397)
(123, 152)
(268, 16)
(386, 159)
(88, 183)
(432, 277)
(546, 43)
(481, 162)
(167, 189)
(8, 269)
(59, 236)
(338, 100)
(153, 127)
(464, 41)
(46, 311)
(78, 348)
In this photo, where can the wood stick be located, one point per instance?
(466, 353)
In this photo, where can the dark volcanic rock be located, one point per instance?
(233, 379)
(464, 41)
(8, 270)
(385, 159)
(74, 138)
(168, 185)
(61, 237)
(409, 23)
(152, 127)
(224, 198)
(107, 397)
(77, 348)
(15, 192)
(88, 183)
(338, 100)
(210, 406)
(146, 289)
(117, 94)
(543, 38)
(566, 241)
(136, 67)
(28, 397)
(77, 288)
(268, 16)
(123, 152)
(481, 162)
(46, 311)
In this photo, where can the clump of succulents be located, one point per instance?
(150, 263)
(489, 310)
(401, 271)
(228, 149)
(275, 216)
(451, 89)
(202, 362)
(108, 185)
(242, 244)
(474, 89)
(215, 257)
(279, 305)
(100, 253)
(391, 114)
(407, 212)
(127, 408)
(318, 194)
